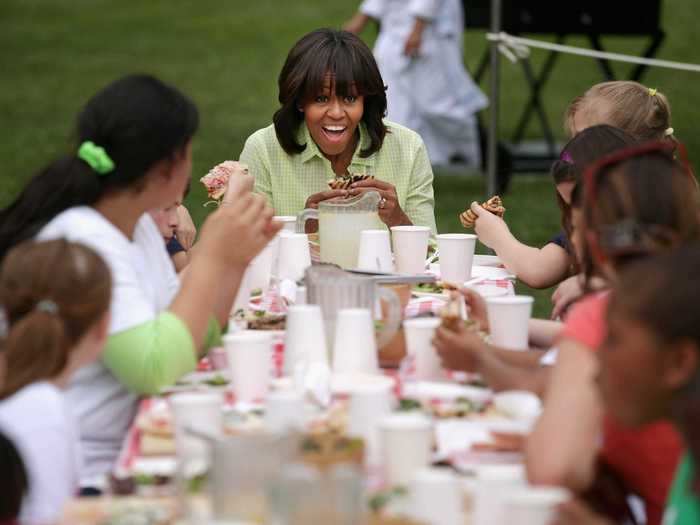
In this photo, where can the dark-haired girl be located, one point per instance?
(549, 265)
(634, 203)
(134, 155)
(55, 299)
(330, 123)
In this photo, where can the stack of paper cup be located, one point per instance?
(534, 505)
(294, 256)
(305, 337)
(369, 404)
(261, 267)
(355, 349)
(436, 498)
(419, 335)
(200, 411)
(456, 256)
(406, 440)
(375, 251)
(509, 319)
(284, 411)
(410, 248)
(494, 485)
(250, 362)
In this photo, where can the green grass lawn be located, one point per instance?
(227, 54)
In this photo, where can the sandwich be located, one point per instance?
(493, 205)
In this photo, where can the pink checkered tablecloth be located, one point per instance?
(271, 302)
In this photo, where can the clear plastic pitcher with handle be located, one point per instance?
(340, 222)
(241, 468)
(334, 289)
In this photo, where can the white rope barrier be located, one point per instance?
(515, 48)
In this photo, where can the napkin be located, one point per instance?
(288, 291)
(313, 380)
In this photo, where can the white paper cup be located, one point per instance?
(374, 253)
(456, 256)
(285, 411)
(249, 358)
(355, 349)
(199, 411)
(294, 256)
(289, 221)
(261, 267)
(410, 248)
(369, 404)
(534, 505)
(305, 337)
(419, 335)
(436, 497)
(406, 440)
(494, 485)
(509, 318)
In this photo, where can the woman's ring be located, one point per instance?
(382, 203)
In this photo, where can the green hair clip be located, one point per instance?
(96, 157)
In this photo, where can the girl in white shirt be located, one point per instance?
(134, 154)
(55, 297)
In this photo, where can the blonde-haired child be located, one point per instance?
(636, 109)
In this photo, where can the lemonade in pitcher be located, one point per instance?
(339, 234)
(340, 223)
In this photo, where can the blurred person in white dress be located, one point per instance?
(419, 52)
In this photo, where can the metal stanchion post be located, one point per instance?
(493, 102)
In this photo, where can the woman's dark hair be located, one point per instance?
(664, 305)
(14, 481)
(353, 71)
(644, 202)
(579, 153)
(138, 120)
(52, 293)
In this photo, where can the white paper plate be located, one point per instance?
(427, 390)
(444, 296)
(488, 272)
(197, 381)
(342, 383)
(487, 260)
(518, 404)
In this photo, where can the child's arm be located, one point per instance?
(536, 267)
(562, 448)
(543, 332)
(368, 10)
(357, 23)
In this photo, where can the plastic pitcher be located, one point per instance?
(333, 289)
(340, 222)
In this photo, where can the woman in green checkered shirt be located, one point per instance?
(331, 123)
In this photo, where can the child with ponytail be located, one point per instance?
(134, 155)
(55, 299)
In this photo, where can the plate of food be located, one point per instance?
(260, 319)
(218, 379)
(434, 390)
(438, 289)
